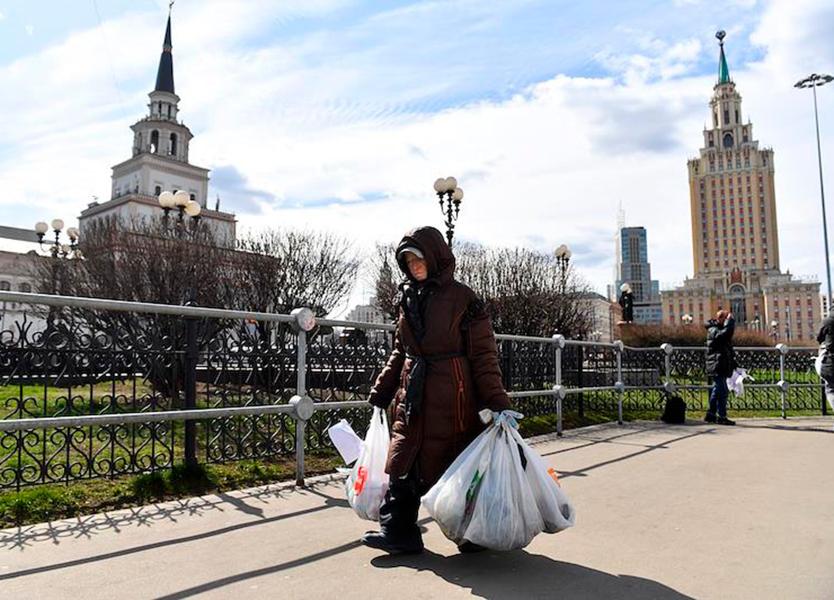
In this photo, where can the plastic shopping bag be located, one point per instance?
(485, 497)
(451, 500)
(818, 360)
(347, 443)
(555, 507)
(367, 482)
(735, 382)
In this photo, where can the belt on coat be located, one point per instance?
(417, 379)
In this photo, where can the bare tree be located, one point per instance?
(387, 276)
(526, 292)
(284, 269)
(272, 271)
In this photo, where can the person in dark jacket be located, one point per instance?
(626, 302)
(720, 365)
(825, 338)
(443, 369)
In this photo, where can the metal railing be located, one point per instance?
(238, 392)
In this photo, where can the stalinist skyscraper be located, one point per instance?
(735, 238)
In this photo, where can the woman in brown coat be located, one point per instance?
(442, 371)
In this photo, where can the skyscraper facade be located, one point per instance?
(735, 240)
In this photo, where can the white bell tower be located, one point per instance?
(159, 161)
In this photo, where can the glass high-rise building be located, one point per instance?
(635, 270)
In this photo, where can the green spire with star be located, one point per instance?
(723, 69)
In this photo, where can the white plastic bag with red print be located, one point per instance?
(367, 482)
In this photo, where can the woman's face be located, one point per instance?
(416, 266)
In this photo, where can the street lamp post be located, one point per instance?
(56, 246)
(450, 197)
(184, 205)
(59, 251)
(774, 329)
(813, 81)
(563, 255)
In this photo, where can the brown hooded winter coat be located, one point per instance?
(462, 375)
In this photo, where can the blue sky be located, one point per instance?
(340, 114)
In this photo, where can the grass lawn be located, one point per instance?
(51, 502)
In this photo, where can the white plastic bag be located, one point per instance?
(367, 483)
(505, 515)
(818, 360)
(555, 507)
(735, 382)
(451, 500)
(485, 496)
(346, 441)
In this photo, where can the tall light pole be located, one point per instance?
(813, 81)
(450, 197)
(563, 255)
(182, 203)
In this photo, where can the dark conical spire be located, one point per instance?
(165, 74)
(723, 69)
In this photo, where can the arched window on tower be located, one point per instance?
(159, 111)
(173, 145)
(728, 140)
(154, 141)
(169, 111)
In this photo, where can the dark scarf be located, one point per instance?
(415, 299)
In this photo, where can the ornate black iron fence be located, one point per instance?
(98, 388)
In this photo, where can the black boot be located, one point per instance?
(392, 543)
(709, 417)
(399, 533)
(724, 421)
(467, 547)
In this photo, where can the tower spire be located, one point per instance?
(723, 69)
(165, 73)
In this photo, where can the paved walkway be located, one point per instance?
(669, 512)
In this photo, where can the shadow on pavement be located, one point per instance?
(813, 428)
(147, 516)
(519, 574)
(645, 448)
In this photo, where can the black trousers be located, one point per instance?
(398, 513)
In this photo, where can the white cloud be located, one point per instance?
(303, 122)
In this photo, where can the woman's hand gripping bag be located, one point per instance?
(367, 482)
